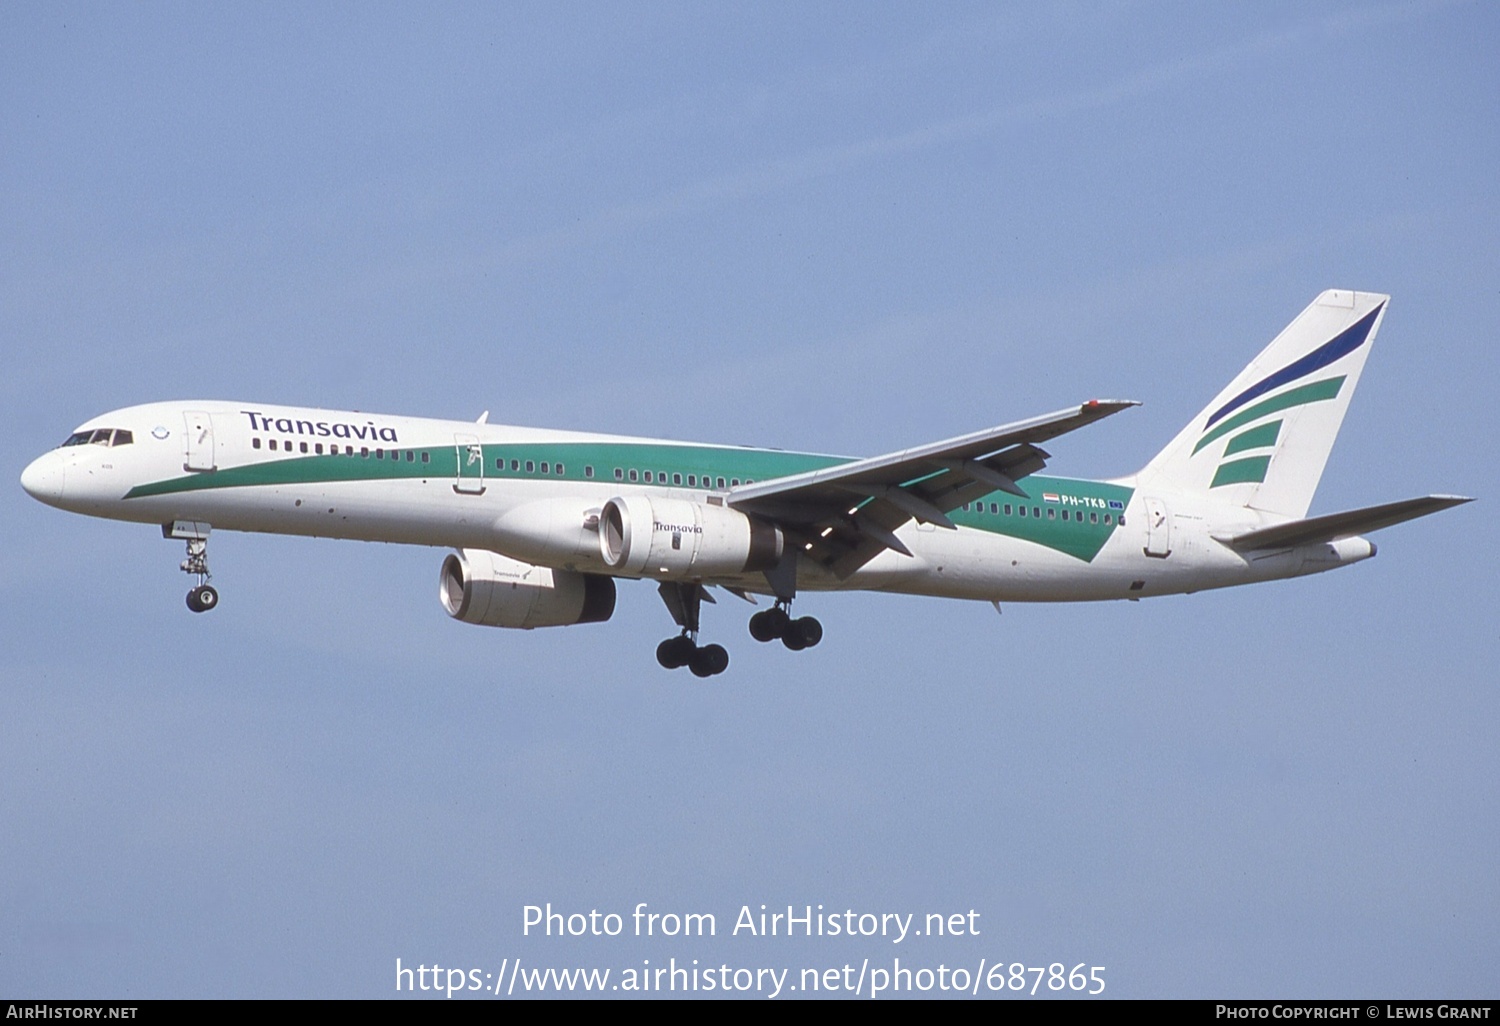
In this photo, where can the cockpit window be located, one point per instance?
(100, 436)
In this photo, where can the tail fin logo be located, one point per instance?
(1260, 433)
(1336, 348)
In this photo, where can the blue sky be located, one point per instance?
(768, 224)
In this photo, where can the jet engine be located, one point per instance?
(643, 534)
(478, 586)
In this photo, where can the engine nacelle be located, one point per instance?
(478, 586)
(642, 534)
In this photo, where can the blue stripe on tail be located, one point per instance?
(1341, 345)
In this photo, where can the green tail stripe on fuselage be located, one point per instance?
(1088, 503)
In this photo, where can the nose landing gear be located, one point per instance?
(201, 597)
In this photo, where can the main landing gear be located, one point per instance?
(684, 602)
(777, 622)
(201, 597)
(683, 650)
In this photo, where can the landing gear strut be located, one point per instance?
(777, 622)
(201, 597)
(683, 602)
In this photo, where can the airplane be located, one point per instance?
(544, 522)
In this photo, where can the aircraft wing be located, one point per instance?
(846, 515)
(1341, 525)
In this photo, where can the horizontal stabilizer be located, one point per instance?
(1342, 525)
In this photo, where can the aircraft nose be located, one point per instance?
(43, 479)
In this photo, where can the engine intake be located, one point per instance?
(642, 534)
(486, 588)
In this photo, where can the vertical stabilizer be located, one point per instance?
(1264, 440)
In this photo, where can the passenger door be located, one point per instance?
(1158, 529)
(200, 442)
(470, 478)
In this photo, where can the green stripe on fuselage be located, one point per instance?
(670, 466)
(702, 462)
(1091, 518)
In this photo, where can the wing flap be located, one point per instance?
(844, 516)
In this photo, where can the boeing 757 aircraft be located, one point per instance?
(544, 522)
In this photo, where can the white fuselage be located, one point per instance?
(337, 474)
